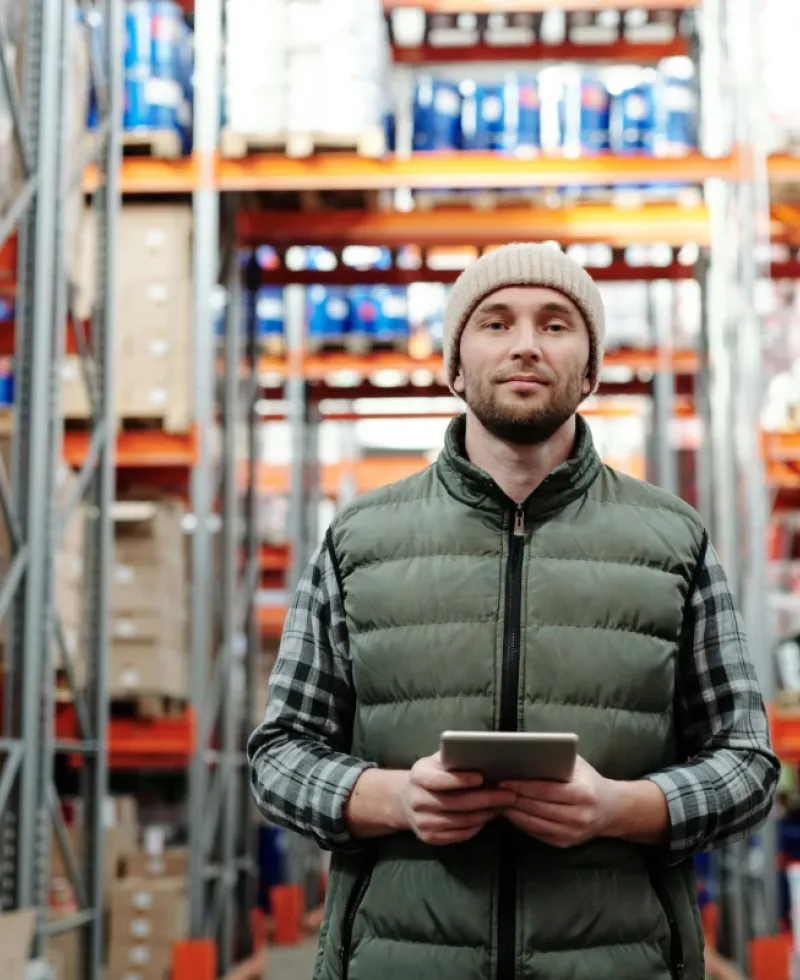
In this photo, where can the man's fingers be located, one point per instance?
(557, 813)
(540, 789)
(439, 822)
(482, 799)
(441, 781)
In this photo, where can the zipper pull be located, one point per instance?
(519, 523)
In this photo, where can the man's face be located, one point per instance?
(523, 363)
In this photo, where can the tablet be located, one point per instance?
(511, 755)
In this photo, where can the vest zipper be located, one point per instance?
(507, 874)
(677, 966)
(356, 897)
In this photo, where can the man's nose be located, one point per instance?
(526, 342)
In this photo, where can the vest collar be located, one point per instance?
(473, 486)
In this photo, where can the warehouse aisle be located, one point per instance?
(292, 962)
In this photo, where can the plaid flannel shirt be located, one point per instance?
(302, 773)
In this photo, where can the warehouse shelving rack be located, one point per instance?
(36, 226)
(226, 632)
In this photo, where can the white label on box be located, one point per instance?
(129, 678)
(154, 841)
(159, 348)
(125, 629)
(69, 371)
(158, 292)
(123, 574)
(139, 955)
(141, 928)
(155, 238)
(158, 396)
(156, 866)
(142, 900)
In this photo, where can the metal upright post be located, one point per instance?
(208, 28)
(38, 274)
(231, 696)
(100, 498)
(297, 416)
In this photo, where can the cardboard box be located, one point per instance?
(16, 937)
(141, 669)
(170, 863)
(147, 917)
(148, 533)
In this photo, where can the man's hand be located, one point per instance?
(444, 807)
(565, 814)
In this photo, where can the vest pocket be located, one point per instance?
(677, 966)
(354, 900)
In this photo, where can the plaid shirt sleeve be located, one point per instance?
(301, 772)
(726, 787)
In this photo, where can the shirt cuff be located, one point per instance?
(687, 817)
(341, 839)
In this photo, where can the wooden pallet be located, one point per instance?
(148, 707)
(237, 146)
(165, 144)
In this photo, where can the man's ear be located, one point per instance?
(586, 387)
(458, 382)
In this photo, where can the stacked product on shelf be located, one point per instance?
(120, 841)
(153, 327)
(313, 68)
(158, 69)
(148, 912)
(149, 594)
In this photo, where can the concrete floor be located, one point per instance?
(292, 962)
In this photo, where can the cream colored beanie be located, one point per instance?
(523, 264)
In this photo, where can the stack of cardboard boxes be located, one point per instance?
(149, 596)
(153, 317)
(149, 913)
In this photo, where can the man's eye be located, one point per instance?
(495, 325)
(556, 325)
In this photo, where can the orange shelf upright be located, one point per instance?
(467, 170)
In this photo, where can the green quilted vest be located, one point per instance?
(465, 612)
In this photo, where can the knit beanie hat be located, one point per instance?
(523, 264)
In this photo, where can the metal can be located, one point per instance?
(437, 115)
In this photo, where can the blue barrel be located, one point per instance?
(167, 35)
(595, 116)
(437, 115)
(393, 320)
(328, 311)
(6, 382)
(364, 309)
(502, 117)
(635, 120)
(269, 312)
(6, 309)
(678, 116)
(136, 114)
(138, 41)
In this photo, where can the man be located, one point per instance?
(517, 584)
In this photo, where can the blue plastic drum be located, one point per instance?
(679, 116)
(269, 312)
(635, 120)
(595, 116)
(393, 320)
(437, 115)
(364, 309)
(138, 34)
(328, 311)
(167, 33)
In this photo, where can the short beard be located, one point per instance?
(520, 427)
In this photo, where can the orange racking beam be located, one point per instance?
(471, 170)
(534, 6)
(345, 276)
(145, 448)
(643, 53)
(145, 175)
(663, 223)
